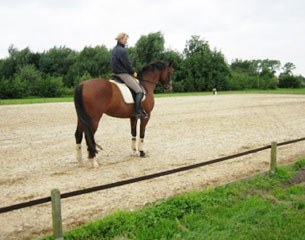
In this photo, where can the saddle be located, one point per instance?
(127, 93)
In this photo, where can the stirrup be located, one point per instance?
(141, 115)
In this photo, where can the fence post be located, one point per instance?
(273, 157)
(56, 215)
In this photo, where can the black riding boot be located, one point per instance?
(138, 109)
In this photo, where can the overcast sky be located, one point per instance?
(244, 29)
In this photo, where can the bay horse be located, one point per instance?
(95, 97)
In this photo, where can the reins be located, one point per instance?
(155, 66)
(154, 83)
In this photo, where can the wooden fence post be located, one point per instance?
(273, 157)
(56, 215)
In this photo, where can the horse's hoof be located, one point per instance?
(95, 164)
(142, 154)
(81, 163)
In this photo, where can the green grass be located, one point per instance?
(262, 207)
(31, 100)
(258, 91)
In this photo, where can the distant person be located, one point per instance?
(214, 91)
(122, 67)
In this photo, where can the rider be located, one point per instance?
(121, 67)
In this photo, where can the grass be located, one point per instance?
(31, 100)
(258, 91)
(262, 207)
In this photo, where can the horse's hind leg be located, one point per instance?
(133, 127)
(78, 138)
(92, 152)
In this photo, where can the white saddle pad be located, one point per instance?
(125, 91)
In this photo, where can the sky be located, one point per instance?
(240, 29)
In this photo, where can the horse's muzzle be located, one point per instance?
(168, 87)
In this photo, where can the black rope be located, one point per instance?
(291, 141)
(25, 204)
(139, 179)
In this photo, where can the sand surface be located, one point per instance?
(37, 154)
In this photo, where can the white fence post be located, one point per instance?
(56, 215)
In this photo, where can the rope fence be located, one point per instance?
(139, 179)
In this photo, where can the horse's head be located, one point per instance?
(166, 77)
(156, 72)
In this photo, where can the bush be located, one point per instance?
(82, 78)
(19, 89)
(241, 81)
(26, 80)
(13, 88)
(178, 87)
(4, 88)
(50, 87)
(268, 83)
(290, 81)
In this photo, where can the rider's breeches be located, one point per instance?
(130, 82)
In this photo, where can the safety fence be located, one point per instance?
(56, 196)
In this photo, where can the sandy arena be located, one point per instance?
(37, 154)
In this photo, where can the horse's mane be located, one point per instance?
(157, 65)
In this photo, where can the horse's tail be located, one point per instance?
(84, 120)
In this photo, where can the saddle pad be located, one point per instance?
(125, 91)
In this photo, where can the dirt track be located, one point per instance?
(37, 153)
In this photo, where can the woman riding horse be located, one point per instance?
(121, 67)
(95, 97)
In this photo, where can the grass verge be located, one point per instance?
(35, 100)
(31, 100)
(262, 207)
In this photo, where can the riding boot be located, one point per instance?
(139, 114)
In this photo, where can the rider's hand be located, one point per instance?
(135, 74)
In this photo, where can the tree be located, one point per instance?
(288, 67)
(7, 68)
(93, 61)
(82, 78)
(204, 69)
(288, 80)
(148, 49)
(177, 60)
(244, 66)
(50, 87)
(57, 62)
(16, 60)
(267, 79)
(197, 68)
(27, 78)
(254, 73)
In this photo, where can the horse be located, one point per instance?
(98, 96)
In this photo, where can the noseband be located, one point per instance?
(154, 83)
(143, 80)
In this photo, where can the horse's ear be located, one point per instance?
(170, 64)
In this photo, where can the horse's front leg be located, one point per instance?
(142, 135)
(133, 127)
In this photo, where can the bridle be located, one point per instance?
(169, 73)
(154, 83)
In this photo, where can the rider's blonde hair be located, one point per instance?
(121, 36)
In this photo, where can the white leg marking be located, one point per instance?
(133, 145)
(79, 157)
(94, 163)
(141, 144)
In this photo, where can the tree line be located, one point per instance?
(57, 71)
